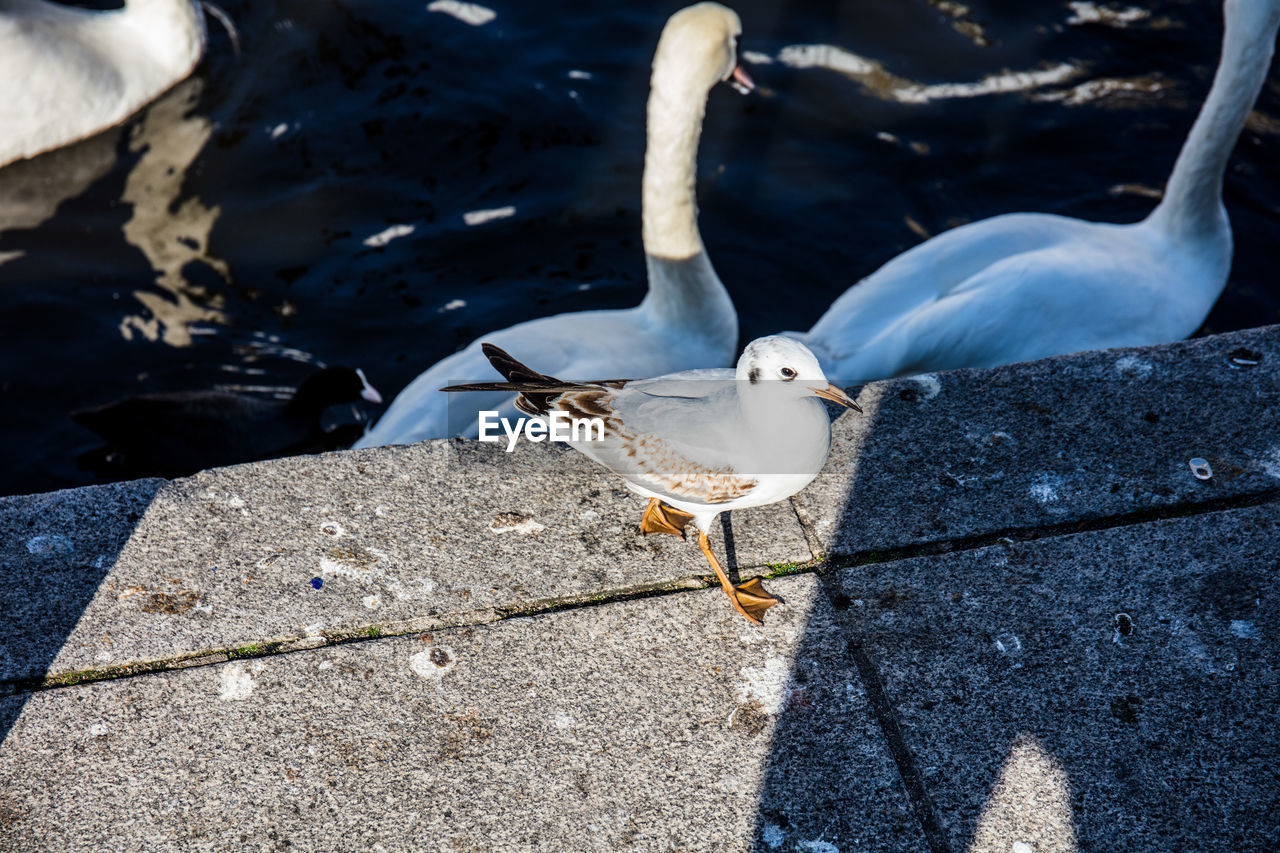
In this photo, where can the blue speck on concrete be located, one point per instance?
(316, 583)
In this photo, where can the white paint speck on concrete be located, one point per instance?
(452, 305)
(1044, 490)
(54, 543)
(766, 684)
(98, 730)
(433, 663)
(562, 720)
(1271, 463)
(236, 681)
(525, 528)
(1245, 629)
(773, 835)
(930, 385)
(1133, 367)
(817, 846)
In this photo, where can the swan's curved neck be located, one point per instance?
(684, 289)
(1192, 203)
(669, 206)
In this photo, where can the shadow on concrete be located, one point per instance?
(55, 550)
(1099, 690)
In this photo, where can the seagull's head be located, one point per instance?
(789, 369)
(699, 48)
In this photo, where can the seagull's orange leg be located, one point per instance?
(660, 518)
(749, 597)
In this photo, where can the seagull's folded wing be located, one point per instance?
(677, 435)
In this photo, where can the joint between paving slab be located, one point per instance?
(1030, 534)
(271, 648)
(825, 568)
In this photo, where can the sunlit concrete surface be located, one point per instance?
(1016, 618)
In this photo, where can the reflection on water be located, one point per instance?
(380, 183)
(1109, 92)
(961, 22)
(171, 235)
(890, 87)
(31, 190)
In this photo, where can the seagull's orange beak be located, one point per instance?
(837, 395)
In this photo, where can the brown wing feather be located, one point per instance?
(656, 465)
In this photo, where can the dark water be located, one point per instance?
(218, 240)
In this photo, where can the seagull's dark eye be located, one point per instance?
(788, 373)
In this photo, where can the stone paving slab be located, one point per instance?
(644, 725)
(970, 453)
(398, 538)
(1111, 690)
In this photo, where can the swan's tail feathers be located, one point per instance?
(535, 389)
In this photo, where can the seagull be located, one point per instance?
(699, 442)
(685, 320)
(1023, 286)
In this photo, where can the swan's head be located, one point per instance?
(787, 369)
(698, 49)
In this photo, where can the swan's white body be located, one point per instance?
(68, 73)
(1029, 285)
(687, 320)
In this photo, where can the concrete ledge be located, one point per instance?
(1052, 443)
(399, 538)
(964, 671)
(636, 725)
(1113, 690)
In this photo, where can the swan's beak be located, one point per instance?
(837, 395)
(741, 81)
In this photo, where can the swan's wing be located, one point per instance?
(582, 346)
(922, 276)
(1065, 298)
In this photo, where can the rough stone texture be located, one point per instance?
(1098, 691)
(400, 538)
(1115, 690)
(55, 549)
(641, 725)
(978, 452)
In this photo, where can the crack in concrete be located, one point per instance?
(825, 568)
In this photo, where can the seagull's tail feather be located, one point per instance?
(536, 389)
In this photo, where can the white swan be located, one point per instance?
(1029, 285)
(68, 73)
(685, 321)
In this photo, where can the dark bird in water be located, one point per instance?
(178, 433)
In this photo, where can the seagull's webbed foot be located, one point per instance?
(749, 597)
(660, 518)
